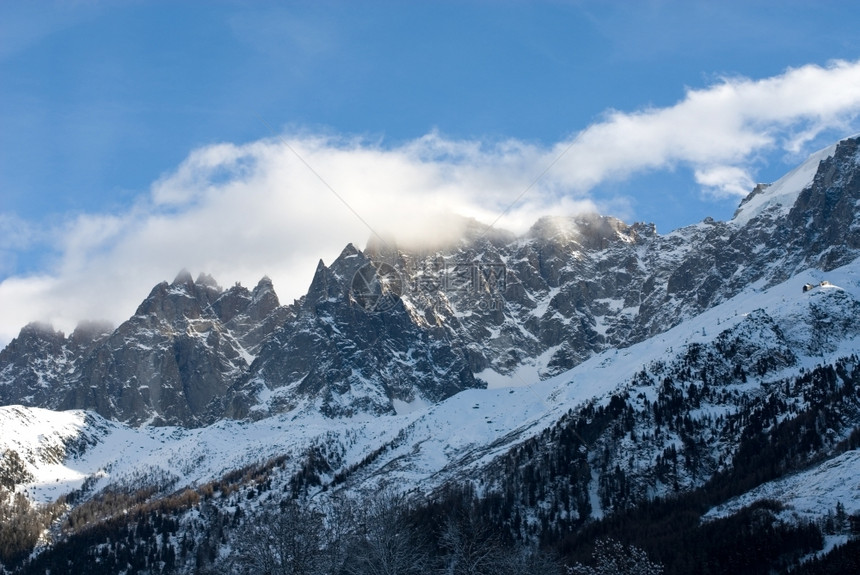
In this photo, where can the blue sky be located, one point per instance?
(137, 138)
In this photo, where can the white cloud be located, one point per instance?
(725, 181)
(724, 125)
(267, 207)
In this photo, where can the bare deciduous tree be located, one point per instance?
(471, 547)
(285, 542)
(341, 519)
(385, 542)
(530, 562)
(614, 558)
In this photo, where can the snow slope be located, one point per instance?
(782, 194)
(422, 447)
(808, 495)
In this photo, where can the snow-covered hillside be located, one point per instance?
(777, 198)
(425, 447)
(810, 494)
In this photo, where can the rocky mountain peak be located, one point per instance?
(88, 332)
(238, 305)
(40, 329)
(588, 231)
(172, 303)
(264, 300)
(183, 299)
(757, 191)
(32, 364)
(825, 211)
(206, 280)
(349, 251)
(36, 339)
(776, 199)
(183, 278)
(319, 288)
(483, 308)
(332, 283)
(644, 230)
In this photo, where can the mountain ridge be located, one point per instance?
(496, 305)
(576, 380)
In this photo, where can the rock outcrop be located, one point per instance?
(390, 325)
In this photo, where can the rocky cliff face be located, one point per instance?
(185, 345)
(389, 326)
(349, 358)
(40, 361)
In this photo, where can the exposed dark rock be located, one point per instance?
(567, 289)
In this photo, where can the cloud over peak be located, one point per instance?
(275, 206)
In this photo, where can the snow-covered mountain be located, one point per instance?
(575, 372)
(486, 309)
(747, 346)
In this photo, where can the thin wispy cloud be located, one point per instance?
(242, 211)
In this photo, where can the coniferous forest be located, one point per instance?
(530, 513)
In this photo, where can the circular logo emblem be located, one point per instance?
(376, 286)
